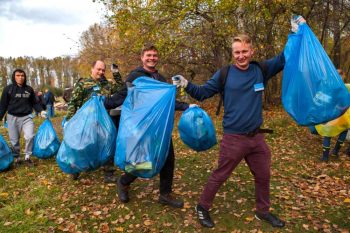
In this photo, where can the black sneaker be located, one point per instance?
(29, 162)
(270, 218)
(168, 199)
(122, 191)
(75, 176)
(109, 177)
(204, 217)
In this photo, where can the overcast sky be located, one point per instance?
(47, 28)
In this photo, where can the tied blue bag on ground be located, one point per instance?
(196, 129)
(6, 156)
(312, 89)
(88, 140)
(46, 142)
(146, 124)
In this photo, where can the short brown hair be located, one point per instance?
(94, 63)
(243, 38)
(148, 47)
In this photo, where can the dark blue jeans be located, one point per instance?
(50, 110)
(327, 144)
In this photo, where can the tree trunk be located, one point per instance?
(336, 30)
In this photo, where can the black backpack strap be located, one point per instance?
(222, 80)
(262, 67)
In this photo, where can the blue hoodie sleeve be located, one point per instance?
(273, 66)
(202, 92)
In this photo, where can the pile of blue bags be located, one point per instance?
(46, 142)
(146, 124)
(312, 90)
(6, 156)
(88, 140)
(196, 129)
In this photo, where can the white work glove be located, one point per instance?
(179, 81)
(193, 105)
(295, 22)
(114, 68)
(43, 114)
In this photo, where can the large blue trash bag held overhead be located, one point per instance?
(88, 140)
(146, 124)
(196, 129)
(312, 89)
(6, 156)
(46, 142)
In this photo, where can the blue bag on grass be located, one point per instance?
(88, 139)
(46, 142)
(146, 124)
(312, 90)
(6, 156)
(196, 129)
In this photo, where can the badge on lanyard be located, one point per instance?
(258, 87)
(96, 88)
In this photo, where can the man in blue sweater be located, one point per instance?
(243, 138)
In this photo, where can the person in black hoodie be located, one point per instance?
(149, 58)
(18, 100)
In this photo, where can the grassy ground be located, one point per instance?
(310, 195)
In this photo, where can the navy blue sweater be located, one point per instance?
(242, 102)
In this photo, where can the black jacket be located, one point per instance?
(140, 72)
(18, 101)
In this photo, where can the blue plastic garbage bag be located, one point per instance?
(146, 124)
(6, 156)
(88, 139)
(196, 129)
(46, 142)
(312, 89)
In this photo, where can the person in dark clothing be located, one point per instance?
(243, 138)
(149, 58)
(40, 99)
(341, 138)
(49, 102)
(18, 100)
(67, 94)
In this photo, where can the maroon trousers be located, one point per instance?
(233, 149)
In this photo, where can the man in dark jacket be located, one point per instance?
(149, 58)
(18, 100)
(40, 100)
